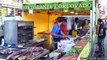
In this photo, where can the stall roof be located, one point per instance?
(81, 5)
(53, 1)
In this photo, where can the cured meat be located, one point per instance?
(6, 51)
(26, 54)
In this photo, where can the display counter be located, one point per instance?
(85, 52)
(77, 54)
(80, 50)
(30, 53)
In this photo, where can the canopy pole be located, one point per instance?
(48, 20)
(92, 19)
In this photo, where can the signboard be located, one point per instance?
(52, 1)
(59, 6)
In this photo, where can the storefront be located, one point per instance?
(45, 14)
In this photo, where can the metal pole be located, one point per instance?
(92, 18)
(14, 11)
(1, 17)
(48, 20)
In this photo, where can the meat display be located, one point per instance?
(6, 51)
(26, 54)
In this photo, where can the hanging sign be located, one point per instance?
(59, 6)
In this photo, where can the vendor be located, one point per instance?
(86, 26)
(63, 27)
(56, 33)
(75, 27)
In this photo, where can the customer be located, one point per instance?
(101, 35)
(74, 27)
(56, 33)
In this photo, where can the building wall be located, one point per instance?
(42, 22)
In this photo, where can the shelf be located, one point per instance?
(25, 32)
(44, 33)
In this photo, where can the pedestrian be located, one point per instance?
(101, 35)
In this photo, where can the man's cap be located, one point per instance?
(60, 18)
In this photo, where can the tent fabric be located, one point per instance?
(105, 18)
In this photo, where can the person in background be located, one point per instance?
(56, 33)
(85, 26)
(63, 27)
(74, 27)
(106, 24)
(101, 35)
(1, 37)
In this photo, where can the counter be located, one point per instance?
(80, 51)
(85, 52)
(29, 53)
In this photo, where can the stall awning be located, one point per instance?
(104, 18)
(52, 1)
(82, 5)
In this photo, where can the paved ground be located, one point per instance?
(105, 46)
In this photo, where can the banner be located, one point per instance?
(59, 6)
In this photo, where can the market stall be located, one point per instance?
(44, 16)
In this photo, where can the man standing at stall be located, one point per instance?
(56, 33)
(101, 35)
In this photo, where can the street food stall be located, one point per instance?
(45, 14)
